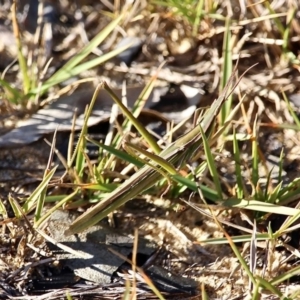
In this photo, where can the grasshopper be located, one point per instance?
(177, 153)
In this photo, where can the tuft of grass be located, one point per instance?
(76, 65)
(177, 154)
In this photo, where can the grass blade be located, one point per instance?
(238, 171)
(142, 130)
(72, 67)
(21, 58)
(31, 201)
(227, 69)
(211, 165)
(118, 153)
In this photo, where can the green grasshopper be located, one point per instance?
(177, 154)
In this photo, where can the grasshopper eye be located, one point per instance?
(179, 208)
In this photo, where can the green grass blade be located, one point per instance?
(118, 153)
(281, 157)
(31, 201)
(15, 207)
(155, 158)
(287, 29)
(54, 198)
(240, 258)
(55, 207)
(80, 159)
(236, 239)
(103, 187)
(208, 193)
(3, 211)
(40, 205)
(273, 197)
(286, 276)
(145, 94)
(72, 67)
(21, 58)
(288, 223)
(84, 126)
(95, 42)
(256, 292)
(266, 196)
(227, 70)
(291, 111)
(204, 295)
(238, 171)
(141, 129)
(261, 206)
(275, 19)
(211, 165)
(199, 14)
(64, 73)
(269, 286)
(13, 94)
(255, 159)
(138, 106)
